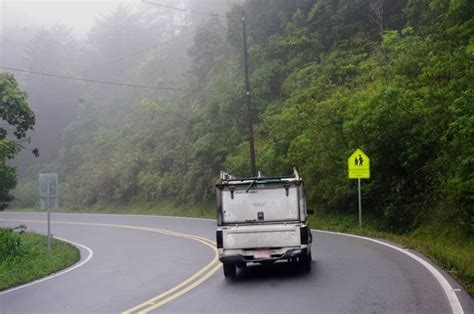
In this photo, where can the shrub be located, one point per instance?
(10, 242)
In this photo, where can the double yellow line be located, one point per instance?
(185, 286)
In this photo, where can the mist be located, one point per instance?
(145, 102)
(119, 41)
(161, 107)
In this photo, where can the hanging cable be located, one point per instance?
(189, 11)
(134, 53)
(99, 81)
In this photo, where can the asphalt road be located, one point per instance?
(136, 258)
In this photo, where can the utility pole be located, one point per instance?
(248, 100)
(253, 167)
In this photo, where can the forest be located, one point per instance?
(393, 78)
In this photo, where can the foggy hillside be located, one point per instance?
(393, 78)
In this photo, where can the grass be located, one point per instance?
(450, 251)
(32, 261)
(165, 208)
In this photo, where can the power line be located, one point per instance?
(247, 81)
(134, 53)
(189, 11)
(99, 81)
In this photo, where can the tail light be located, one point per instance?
(219, 239)
(304, 234)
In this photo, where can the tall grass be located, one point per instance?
(24, 257)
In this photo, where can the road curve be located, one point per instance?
(152, 264)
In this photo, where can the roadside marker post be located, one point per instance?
(358, 165)
(48, 186)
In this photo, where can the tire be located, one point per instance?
(230, 271)
(306, 262)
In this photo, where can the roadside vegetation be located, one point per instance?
(24, 256)
(453, 252)
(394, 78)
(165, 208)
(444, 246)
(16, 119)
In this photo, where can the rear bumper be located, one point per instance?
(245, 256)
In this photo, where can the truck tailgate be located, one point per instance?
(261, 236)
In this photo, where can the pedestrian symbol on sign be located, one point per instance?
(358, 165)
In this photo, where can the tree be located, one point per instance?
(16, 119)
(54, 100)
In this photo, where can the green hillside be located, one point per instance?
(394, 78)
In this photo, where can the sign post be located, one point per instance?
(48, 184)
(358, 166)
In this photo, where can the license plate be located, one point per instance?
(262, 254)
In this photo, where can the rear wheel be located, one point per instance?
(230, 271)
(306, 262)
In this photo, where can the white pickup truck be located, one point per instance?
(262, 220)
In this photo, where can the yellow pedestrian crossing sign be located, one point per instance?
(358, 165)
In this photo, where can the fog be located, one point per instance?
(139, 106)
(78, 15)
(123, 42)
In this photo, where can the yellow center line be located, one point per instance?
(183, 291)
(214, 262)
(182, 284)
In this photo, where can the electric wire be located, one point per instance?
(134, 53)
(99, 81)
(124, 57)
(189, 11)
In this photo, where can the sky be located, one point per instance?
(77, 14)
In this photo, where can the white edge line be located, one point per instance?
(451, 295)
(100, 214)
(73, 267)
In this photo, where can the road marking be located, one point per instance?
(183, 291)
(113, 215)
(64, 271)
(97, 224)
(451, 295)
(153, 300)
(158, 297)
(204, 273)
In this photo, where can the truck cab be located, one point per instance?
(262, 220)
